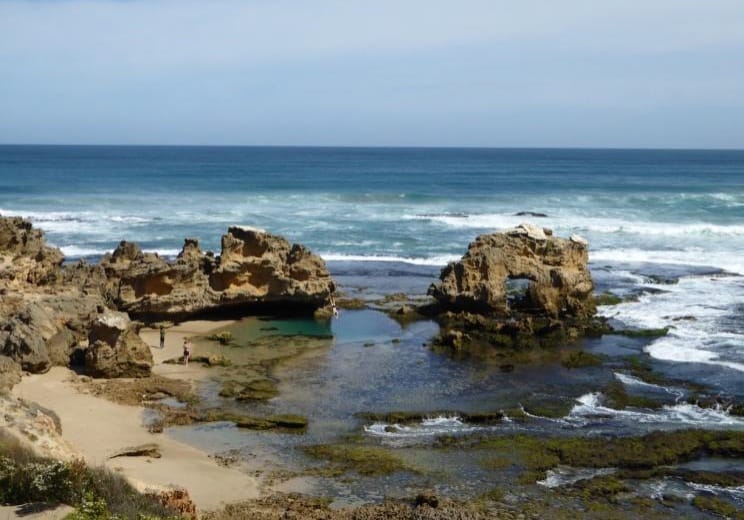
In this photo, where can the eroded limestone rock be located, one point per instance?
(256, 270)
(115, 348)
(518, 289)
(24, 255)
(559, 281)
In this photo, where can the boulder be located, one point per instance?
(40, 330)
(256, 271)
(115, 348)
(559, 281)
(428, 498)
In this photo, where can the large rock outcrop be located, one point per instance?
(522, 287)
(24, 255)
(115, 348)
(45, 308)
(256, 272)
(558, 279)
(54, 314)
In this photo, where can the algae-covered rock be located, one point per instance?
(517, 290)
(365, 460)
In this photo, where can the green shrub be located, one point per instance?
(97, 493)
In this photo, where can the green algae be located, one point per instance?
(619, 398)
(272, 422)
(605, 486)
(607, 298)
(715, 505)
(364, 460)
(405, 417)
(580, 359)
(551, 407)
(254, 390)
(536, 455)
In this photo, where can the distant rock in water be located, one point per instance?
(531, 214)
(523, 286)
(256, 272)
(559, 281)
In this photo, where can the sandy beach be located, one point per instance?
(97, 428)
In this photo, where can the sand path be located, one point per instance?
(97, 428)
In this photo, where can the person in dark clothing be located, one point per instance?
(162, 336)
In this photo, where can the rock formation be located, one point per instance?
(256, 272)
(24, 255)
(557, 271)
(475, 296)
(52, 314)
(34, 427)
(46, 310)
(115, 348)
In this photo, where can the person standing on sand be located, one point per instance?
(186, 350)
(162, 336)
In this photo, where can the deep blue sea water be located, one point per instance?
(393, 216)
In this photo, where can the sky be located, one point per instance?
(527, 73)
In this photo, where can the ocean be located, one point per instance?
(666, 233)
(389, 218)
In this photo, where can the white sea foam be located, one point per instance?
(427, 428)
(589, 407)
(734, 492)
(440, 260)
(604, 225)
(706, 338)
(566, 475)
(728, 260)
(634, 381)
(78, 252)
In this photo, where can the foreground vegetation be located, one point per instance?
(96, 493)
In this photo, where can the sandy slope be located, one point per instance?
(97, 428)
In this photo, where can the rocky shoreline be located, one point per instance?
(514, 297)
(80, 314)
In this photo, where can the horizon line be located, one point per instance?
(380, 147)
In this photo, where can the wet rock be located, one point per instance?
(151, 450)
(530, 214)
(427, 498)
